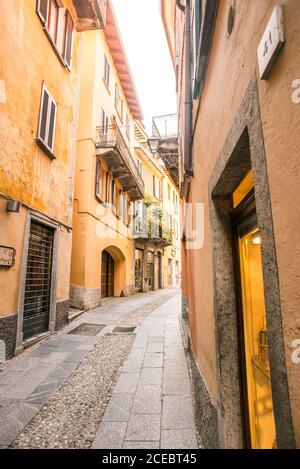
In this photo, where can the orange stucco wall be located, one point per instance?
(233, 62)
(27, 174)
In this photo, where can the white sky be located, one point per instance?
(147, 50)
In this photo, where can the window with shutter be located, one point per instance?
(98, 180)
(52, 20)
(113, 195)
(106, 71)
(117, 97)
(120, 204)
(127, 127)
(125, 205)
(42, 10)
(107, 189)
(68, 40)
(59, 28)
(47, 122)
(122, 112)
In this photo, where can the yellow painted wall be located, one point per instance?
(96, 227)
(169, 207)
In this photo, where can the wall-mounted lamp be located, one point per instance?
(256, 240)
(13, 206)
(153, 143)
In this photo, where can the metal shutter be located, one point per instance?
(38, 280)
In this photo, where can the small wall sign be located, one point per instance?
(7, 256)
(272, 42)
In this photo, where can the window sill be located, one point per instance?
(45, 149)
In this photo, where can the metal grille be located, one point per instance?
(38, 280)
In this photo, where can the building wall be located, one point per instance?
(229, 87)
(95, 226)
(27, 174)
(172, 252)
(232, 65)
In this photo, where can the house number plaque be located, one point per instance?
(272, 42)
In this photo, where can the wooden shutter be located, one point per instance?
(44, 115)
(108, 188)
(98, 180)
(42, 10)
(46, 131)
(68, 40)
(52, 120)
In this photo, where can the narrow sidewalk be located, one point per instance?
(151, 405)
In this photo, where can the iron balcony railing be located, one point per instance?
(111, 137)
(150, 222)
(166, 126)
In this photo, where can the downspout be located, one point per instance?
(187, 89)
(188, 103)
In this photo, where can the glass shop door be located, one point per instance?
(254, 337)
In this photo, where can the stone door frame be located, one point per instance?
(244, 150)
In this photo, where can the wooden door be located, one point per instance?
(107, 275)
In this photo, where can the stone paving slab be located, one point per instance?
(119, 407)
(177, 413)
(110, 435)
(143, 427)
(147, 400)
(178, 439)
(127, 383)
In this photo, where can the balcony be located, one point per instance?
(113, 149)
(164, 142)
(150, 226)
(91, 14)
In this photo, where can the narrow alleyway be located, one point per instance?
(91, 386)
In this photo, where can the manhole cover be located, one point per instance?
(87, 329)
(124, 330)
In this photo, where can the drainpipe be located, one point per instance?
(187, 89)
(188, 103)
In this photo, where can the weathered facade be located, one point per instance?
(237, 67)
(39, 91)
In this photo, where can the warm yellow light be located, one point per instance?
(256, 240)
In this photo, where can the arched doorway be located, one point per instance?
(107, 275)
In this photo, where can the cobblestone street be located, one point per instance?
(109, 390)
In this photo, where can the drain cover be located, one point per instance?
(87, 329)
(124, 330)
